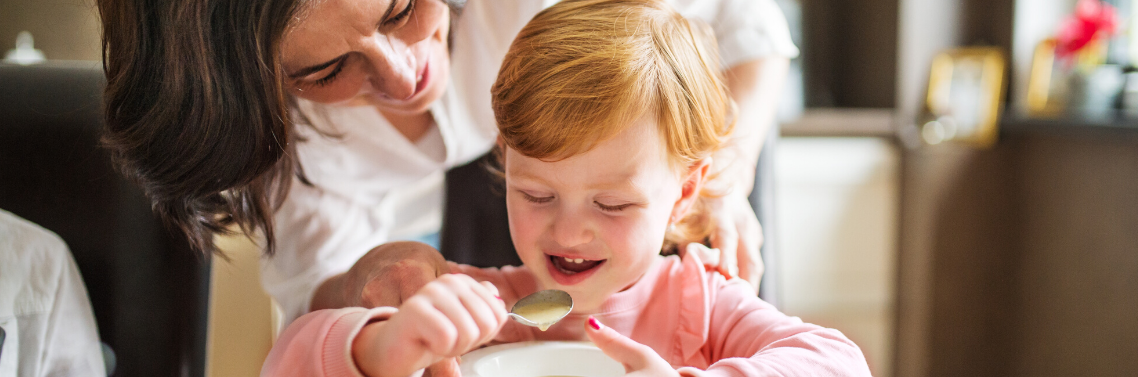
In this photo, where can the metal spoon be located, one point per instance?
(544, 308)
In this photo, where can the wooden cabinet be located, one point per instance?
(1021, 260)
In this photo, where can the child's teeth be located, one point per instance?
(567, 259)
(578, 260)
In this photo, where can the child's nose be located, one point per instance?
(570, 230)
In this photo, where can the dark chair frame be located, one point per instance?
(149, 290)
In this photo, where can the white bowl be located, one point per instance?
(540, 359)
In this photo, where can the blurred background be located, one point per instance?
(956, 186)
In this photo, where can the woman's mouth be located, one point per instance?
(566, 270)
(422, 78)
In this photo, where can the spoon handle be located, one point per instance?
(522, 320)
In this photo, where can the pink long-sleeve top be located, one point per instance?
(690, 317)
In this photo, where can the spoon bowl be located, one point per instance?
(543, 308)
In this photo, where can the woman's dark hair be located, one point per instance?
(197, 112)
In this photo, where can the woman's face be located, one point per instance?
(390, 53)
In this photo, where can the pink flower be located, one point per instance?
(1092, 20)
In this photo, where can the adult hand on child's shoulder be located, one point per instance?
(639, 360)
(446, 318)
(737, 236)
(391, 273)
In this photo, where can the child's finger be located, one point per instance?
(493, 296)
(482, 307)
(489, 293)
(447, 367)
(500, 304)
(448, 300)
(430, 325)
(493, 289)
(497, 306)
(634, 356)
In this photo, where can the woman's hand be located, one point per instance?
(386, 276)
(447, 318)
(735, 241)
(639, 360)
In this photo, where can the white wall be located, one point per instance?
(836, 201)
(63, 29)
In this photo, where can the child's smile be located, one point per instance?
(592, 224)
(566, 269)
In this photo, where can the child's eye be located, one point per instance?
(536, 199)
(608, 208)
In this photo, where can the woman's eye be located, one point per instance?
(398, 18)
(314, 80)
(536, 199)
(331, 76)
(613, 208)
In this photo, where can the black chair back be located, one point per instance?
(149, 291)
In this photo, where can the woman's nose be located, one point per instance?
(570, 229)
(394, 67)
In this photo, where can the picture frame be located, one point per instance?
(965, 96)
(1046, 84)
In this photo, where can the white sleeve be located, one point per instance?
(318, 235)
(745, 29)
(44, 309)
(72, 341)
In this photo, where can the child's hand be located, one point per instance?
(446, 318)
(639, 360)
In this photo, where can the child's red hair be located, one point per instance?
(582, 71)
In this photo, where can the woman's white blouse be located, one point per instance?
(372, 185)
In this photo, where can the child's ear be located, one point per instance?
(691, 187)
(499, 152)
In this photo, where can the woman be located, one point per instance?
(327, 125)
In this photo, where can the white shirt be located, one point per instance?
(372, 185)
(44, 310)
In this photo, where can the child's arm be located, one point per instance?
(446, 318)
(751, 337)
(748, 337)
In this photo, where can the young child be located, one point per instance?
(609, 112)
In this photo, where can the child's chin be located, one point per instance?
(584, 299)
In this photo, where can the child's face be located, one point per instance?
(608, 207)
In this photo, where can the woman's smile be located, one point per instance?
(400, 66)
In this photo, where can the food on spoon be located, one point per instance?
(544, 314)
